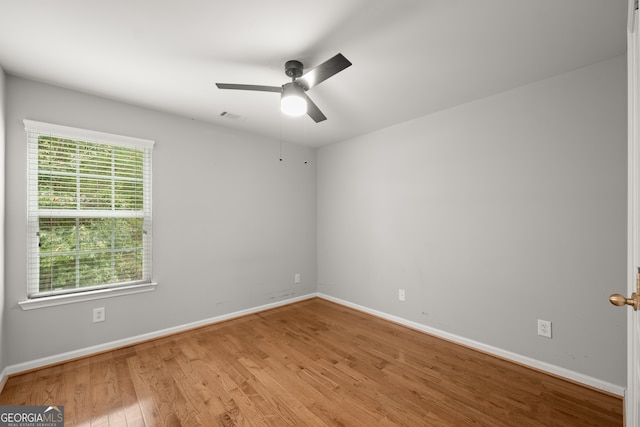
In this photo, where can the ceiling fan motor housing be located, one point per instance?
(293, 69)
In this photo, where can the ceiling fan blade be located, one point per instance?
(323, 71)
(249, 87)
(314, 112)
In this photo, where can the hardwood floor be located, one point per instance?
(313, 363)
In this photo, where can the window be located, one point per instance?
(89, 210)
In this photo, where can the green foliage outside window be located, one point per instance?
(100, 241)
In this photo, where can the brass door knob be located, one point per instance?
(620, 300)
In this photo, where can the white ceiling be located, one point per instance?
(410, 57)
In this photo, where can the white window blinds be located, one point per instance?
(89, 210)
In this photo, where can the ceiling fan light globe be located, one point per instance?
(293, 105)
(293, 100)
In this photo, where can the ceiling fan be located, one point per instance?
(293, 99)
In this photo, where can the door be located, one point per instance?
(632, 395)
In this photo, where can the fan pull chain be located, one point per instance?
(280, 137)
(304, 143)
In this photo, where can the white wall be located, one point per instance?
(491, 215)
(232, 224)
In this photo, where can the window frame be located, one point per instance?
(37, 299)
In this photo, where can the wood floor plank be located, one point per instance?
(77, 403)
(185, 376)
(130, 404)
(144, 384)
(232, 396)
(313, 363)
(105, 397)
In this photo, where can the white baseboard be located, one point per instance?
(523, 360)
(87, 351)
(4, 376)
(527, 361)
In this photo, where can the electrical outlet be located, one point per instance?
(401, 294)
(544, 328)
(98, 315)
(296, 278)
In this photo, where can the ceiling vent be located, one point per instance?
(228, 115)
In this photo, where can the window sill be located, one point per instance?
(35, 303)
